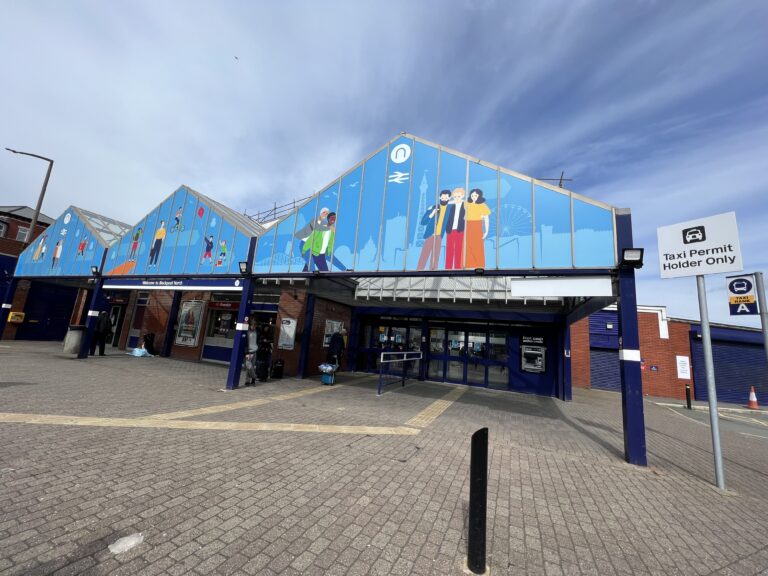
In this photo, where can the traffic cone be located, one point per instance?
(752, 399)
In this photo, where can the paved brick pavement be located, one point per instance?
(227, 501)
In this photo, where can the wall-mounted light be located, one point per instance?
(479, 271)
(632, 258)
(95, 271)
(243, 268)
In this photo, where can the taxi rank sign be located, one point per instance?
(705, 246)
(696, 248)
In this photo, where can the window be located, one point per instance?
(21, 234)
(3, 229)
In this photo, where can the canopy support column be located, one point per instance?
(240, 345)
(5, 311)
(629, 352)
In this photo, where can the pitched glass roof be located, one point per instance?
(416, 206)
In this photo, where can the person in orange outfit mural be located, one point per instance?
(476, 229)
(154, 253)
(455, 221)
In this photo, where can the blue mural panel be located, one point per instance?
(453, 177)
(347, 218)
(78, 241)
(306, 222)
(176, 227)
(515, 222)
(553, 229)
(239, 252)
(263, 257)
(424, 234)
(122, 257)
(226, 240)
(141, 258)
(196, 251)
(160, 237)
(281, 260)
(394, 229)
(482, 213)
(369, 225)
(188, 237)
(212, 255)
(593, 235)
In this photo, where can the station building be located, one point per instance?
(489, 274)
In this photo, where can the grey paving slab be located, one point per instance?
(561, 499)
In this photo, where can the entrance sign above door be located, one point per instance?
(697, 247)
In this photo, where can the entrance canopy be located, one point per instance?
(415, 206)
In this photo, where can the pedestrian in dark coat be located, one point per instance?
(100, 334)
(336, 347)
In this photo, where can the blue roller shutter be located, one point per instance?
(604, 369)
(738, 366)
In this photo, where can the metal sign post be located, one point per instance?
(763, 309)
(695, 248)
(709, 367)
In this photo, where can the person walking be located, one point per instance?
(250, 355)
(101, 332)
(336, 347)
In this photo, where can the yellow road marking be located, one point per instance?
(238, 405)
(431, 412)
(193, 425)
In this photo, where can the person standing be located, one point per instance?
(101, 332)
(56, 254)
(135, 244)
(320, 243)
(433, 221)
(250, 355)
(336, 347)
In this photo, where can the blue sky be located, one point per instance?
(661, 107)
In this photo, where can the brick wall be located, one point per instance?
(81, 305)
(17, 305)
(580, 376)
(292, 304)
(8, 243)
(326, 310)
(661, 354)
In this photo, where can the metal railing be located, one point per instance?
(276, 212)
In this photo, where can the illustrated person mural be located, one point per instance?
(434, 222)
(477, 226)
(207, 249)
(154, 253)
(177, 224)
(135, 244)
(305, 232)
(56, 253)
(40, 250)
(222, 253)
(320, 243)
(81, 246)
(455, 227)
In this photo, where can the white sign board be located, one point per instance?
(287, 334)
(683, 367)
(704, 246)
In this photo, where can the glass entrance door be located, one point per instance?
(498, 360)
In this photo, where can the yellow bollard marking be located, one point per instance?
(239, 405)
(57, 420)
(434, 410)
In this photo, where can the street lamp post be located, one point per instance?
(42, 192)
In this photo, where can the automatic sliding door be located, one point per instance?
(498, 361)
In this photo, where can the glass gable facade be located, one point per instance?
(70, 246)
(414, 206)
(187, 234)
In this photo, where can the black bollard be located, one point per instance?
(688, 396)
(478, 496)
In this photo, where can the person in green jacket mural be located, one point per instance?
(320, 243)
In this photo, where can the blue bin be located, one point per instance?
(327, 378)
